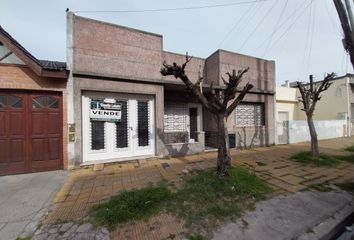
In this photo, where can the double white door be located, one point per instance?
(133, 135)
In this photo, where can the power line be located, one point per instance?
(255, 29)
(275, 27)
(292, 24)
(236, 25)
(172, 9)
(298, 7)
(306, 40)
(311, 39)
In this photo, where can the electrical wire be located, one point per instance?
(259, 24)
(291, 25)
(171, 9)
(311, 39)
(236, 24)
(307, 40)
(298, 8)
(275, 27)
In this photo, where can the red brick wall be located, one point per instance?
(22, 78)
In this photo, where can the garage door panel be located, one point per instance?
(17, 150)
(4, 151)
(54, 122)
(2, 124)
(38, 126)
(17, 124)
(54, 149)
(39, 149)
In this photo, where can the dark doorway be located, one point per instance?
(193, 124)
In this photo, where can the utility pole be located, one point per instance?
(345, 15)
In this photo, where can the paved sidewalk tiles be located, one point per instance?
(87, 187)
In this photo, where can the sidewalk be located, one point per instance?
(24, 199)
(86, 187)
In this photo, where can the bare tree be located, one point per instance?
(310, 94)
(217, 102)
(345, 15)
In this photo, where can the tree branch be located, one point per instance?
(238, 99)
(178, 72)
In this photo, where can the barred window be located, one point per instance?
(250, 114)
(175, 117)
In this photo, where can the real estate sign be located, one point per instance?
(105, 110)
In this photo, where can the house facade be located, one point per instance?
(333, 115)
(33, 129)
(120, 107)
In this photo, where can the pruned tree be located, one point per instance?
(345, 15)
(220, 103)
(310, 95)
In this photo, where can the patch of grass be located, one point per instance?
(196, 237)
(348, 158)
(206, 197)
(322, 160)
(203, 200)
(25, 238)
(350, 149)
(348, 186)
(130, 205)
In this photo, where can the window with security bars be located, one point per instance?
(250, 114)
(122, 126)
(143, 123)
(97, 135)
(175, 117)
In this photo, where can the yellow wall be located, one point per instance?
(332, 103)
(286, 101)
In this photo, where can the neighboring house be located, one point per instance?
(32, 110)
(120, 107)
(333, 116)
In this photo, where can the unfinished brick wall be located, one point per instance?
(107, 49)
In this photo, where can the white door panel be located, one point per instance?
(121, 140)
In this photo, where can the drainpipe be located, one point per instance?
(349, 130)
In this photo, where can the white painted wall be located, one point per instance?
(326, 129)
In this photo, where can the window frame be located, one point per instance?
(262, 116)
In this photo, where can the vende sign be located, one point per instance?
(105, 110)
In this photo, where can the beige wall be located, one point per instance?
(333, 101)
(287, 101)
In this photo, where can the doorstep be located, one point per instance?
(118, 160)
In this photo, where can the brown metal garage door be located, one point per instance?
(30, 132)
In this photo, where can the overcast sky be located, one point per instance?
(302, 36)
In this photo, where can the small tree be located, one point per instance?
(310, 94)
(217, 103)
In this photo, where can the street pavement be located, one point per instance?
(24, 199)
(303, 216)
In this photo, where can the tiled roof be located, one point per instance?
(52, 65)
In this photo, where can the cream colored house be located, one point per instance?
(334, 110)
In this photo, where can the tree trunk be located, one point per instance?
(314, 142)
(224, 159)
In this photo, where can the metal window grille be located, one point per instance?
(175, 117)
(250, 114)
